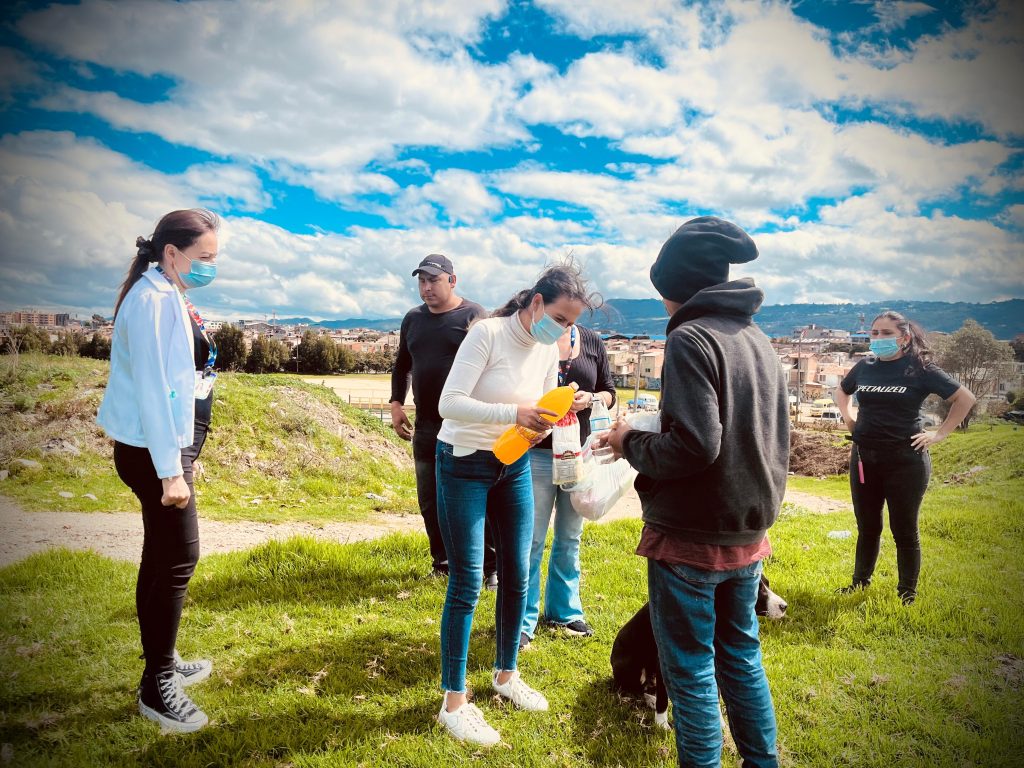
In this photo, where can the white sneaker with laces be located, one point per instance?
(520, 694)
(191, 672)
(467, 724)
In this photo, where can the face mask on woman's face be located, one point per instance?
(546, 330)
(200, 273)
(884, 348)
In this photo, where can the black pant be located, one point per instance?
(898, 478)
(170, 550)
(424, 445)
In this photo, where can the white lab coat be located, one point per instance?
(150, 396)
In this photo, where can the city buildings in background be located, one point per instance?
(815, 358)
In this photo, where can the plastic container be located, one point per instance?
(516, 440)
(600, 419)
(566, 450)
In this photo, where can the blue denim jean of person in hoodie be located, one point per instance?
(714, 477)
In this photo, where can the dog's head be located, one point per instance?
(768, 603)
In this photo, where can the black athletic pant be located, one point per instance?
(898, 478)
(424, 446)
(170, 550)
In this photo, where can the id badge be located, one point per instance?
(204, 384)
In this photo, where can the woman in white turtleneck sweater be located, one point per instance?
(501, 369)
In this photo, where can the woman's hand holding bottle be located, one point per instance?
(532, 417)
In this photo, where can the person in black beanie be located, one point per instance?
(710, 485)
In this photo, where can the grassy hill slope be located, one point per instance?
(279, 448)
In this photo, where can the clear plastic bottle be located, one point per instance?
(516, 440)
(600, 419)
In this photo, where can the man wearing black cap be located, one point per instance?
(710, 485)
(430, 335)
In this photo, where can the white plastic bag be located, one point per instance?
(604, 484)
(648, 421)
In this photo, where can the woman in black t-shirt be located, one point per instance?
(889, 463)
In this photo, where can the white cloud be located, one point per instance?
(589, 18)
(315, 85)
(958, 75)
(864, 252)
(604, 94)
(229, 186)
(1014, 216)
(460, 195)
(17, 71)
(738, 105)
(894, 14)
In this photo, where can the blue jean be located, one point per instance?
(707, 637)
(471, 489)
(562, 591)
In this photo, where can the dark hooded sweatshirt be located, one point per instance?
(716, 473)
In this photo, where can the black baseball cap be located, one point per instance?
(435, 264)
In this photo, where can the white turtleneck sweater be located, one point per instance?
(498, 367)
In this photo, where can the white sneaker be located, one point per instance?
(520, 694)
(467, 724)
(191, 672)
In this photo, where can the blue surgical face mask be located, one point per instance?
(884, 348)
(546, 330)
(200, 274)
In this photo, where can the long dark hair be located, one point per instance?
(178, 228)
(565, 279)
(917, 348)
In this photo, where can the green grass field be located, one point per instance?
(326, 655)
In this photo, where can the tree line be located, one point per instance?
(971, 355)
(315, 354)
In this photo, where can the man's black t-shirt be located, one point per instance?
(426, 349)
(889, 396)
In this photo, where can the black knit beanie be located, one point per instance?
(698, 255)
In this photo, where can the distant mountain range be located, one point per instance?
(1005, 319)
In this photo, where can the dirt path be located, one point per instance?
(119, 534)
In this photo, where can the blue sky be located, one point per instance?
(872, 149)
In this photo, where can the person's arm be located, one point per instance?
(400, 384)
(690, 404)
(843, 403)
(844, 395)
(150, 320)
(961, 403)
(605, 382)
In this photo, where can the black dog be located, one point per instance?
(635, 670)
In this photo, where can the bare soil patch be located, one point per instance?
(330, 418)
(816, 454)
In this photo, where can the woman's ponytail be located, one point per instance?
(144, 256)
(557, 281)
(513, 305)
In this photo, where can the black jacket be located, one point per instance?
(716, 473)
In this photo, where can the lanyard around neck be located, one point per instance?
(211, 358)
(565, 365)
